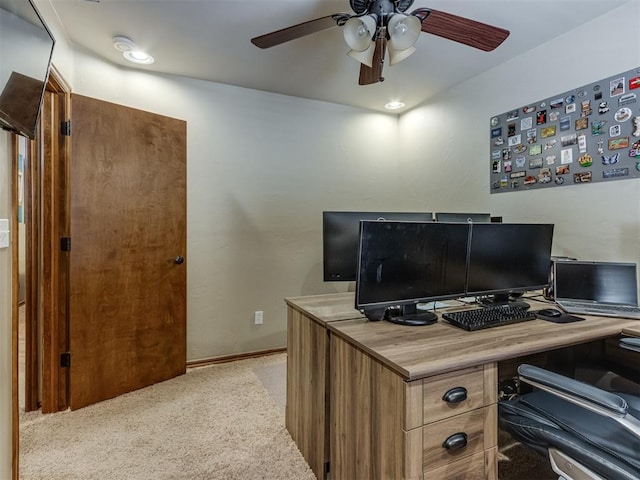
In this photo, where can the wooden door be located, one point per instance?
(127, 303)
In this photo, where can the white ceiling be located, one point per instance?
(210, 40)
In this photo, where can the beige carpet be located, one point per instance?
(218, 422)
(215, 422)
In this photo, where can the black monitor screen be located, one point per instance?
(403, 262)
(463, 217)
(508, 257)
(340, 232)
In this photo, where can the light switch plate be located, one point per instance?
(4, 233)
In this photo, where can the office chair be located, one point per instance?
(586, 432)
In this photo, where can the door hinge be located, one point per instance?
(65, 128)
(65, 359)
(65, 244)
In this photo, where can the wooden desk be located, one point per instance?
(385, 412)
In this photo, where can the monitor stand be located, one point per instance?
(499, 299)
(410, 316)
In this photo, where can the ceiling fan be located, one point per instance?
(380, 25)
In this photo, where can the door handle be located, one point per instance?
(179, 260)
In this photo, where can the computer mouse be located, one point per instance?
(550, 312)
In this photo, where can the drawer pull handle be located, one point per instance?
(455, 442)
(455, 395)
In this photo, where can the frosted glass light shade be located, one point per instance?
(365, 56)
(358, 32)
(396, 56)
(404, 31)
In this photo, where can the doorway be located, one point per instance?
(85, 301)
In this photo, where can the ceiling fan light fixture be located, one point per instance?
(358, 32)
(381, 26)
(403, 30)
(366, 56)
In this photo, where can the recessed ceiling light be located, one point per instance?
(131, 52)
(137, 56)
(394, 105)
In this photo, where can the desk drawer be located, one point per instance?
(469, 468)
(468, 384)
(469, 425)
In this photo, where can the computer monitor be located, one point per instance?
(506, 258)
(463, 217)
(401, 264)
(594, 281)
(340, 232)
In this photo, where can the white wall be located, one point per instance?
(261, 168)
(599, 221)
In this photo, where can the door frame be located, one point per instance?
(53, 220)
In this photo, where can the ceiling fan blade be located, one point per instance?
(373, 74)
(462, 30)
(296, 31)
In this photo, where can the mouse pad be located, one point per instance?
(564, 318)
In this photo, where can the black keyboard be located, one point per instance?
(494, 316)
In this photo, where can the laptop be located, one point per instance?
(608, 289)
